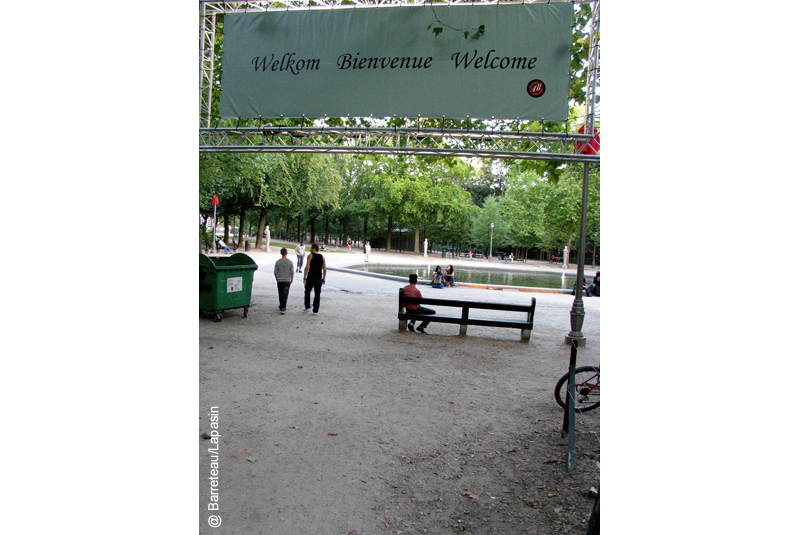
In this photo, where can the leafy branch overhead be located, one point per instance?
(480, 30)
(438, 27)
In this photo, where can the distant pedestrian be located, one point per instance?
(349, 244)
(300, 251)
(284, 275)
(314, 277)
(367, 249)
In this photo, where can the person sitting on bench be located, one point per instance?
(412, 308)
(222, 246)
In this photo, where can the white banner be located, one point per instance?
(386, 62)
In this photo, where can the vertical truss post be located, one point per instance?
(578, 314)
(207, 39)
(591, 81)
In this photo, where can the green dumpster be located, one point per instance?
(247, 245)
(226, 283)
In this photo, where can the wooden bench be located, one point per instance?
(526, 325)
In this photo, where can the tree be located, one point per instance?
(482, 232)
(554, 208)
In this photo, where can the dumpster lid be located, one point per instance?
(236, 259)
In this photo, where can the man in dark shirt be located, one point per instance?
(314, 277)
(411, 291)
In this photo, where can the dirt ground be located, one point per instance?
(340, 424)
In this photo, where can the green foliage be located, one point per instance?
(205, 236)
(547, 213)
(482, 233)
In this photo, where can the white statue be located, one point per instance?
(566, 258)
(425, 247)
(267, 231)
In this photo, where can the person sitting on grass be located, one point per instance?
(411, 290)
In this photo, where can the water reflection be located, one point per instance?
(479, 276)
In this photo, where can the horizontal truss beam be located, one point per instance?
(216, 7)
(518, 145)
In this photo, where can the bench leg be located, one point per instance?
(401, 325)
(526, 335)
(462, 330)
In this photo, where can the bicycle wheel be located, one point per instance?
(587, 388)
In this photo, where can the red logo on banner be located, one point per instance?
(536, 88)
(215, 200)
(592, 148)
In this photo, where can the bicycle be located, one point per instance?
(587, 388)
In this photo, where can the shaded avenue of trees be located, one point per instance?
(396, 202)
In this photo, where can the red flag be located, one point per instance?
(215, 201)
(593, 147)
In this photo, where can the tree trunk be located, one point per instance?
(226, 222)
(313, 227)
(364, 241)
(327, 230)
(345, 221)
(389, 235)
(416, 239)
(262, 224)
(240, 244)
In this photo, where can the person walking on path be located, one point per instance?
(367, 249)
(349, 244)
(300, 251)
(284, 274)
(314, 277)
(411, 290)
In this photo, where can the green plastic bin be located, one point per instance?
(226, 283)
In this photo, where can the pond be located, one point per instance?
(506, 277)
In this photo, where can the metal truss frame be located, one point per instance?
(520, 145)
(504, 144)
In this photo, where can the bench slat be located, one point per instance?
(458, 320)
(470, 304)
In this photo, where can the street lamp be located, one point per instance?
(491, 237)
